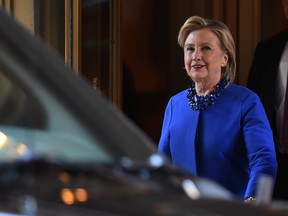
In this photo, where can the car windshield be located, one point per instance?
(45, 108)
(46, 128)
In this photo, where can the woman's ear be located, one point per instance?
(225, 58)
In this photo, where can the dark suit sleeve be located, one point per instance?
(255, 69)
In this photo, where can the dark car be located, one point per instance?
(66, 150)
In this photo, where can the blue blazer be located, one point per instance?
(230, 142)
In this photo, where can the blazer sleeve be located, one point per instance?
(259, 143)
(164, 143)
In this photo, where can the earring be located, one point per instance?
(223, 65)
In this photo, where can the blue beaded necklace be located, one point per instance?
(201, 102)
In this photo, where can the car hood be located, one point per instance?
(35, 186)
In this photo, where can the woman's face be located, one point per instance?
(203, 56)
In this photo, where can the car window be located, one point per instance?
(17, 108)
(34, 118)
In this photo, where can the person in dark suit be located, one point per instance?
(216, 129)
(267, 74)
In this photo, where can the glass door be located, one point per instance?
(93, 45)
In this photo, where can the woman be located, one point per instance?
(216, 129)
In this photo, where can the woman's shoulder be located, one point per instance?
(241, 92)
(178, 97)
(180, 94)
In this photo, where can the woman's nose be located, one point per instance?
(196, 56)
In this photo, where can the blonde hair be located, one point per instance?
(223, 34)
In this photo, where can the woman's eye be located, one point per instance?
(206, 48)
(190, 49)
